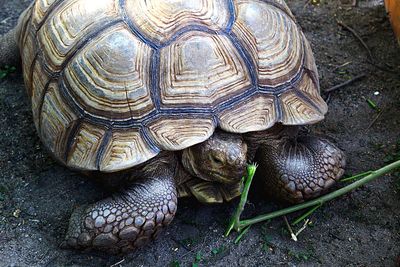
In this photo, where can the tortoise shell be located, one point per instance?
(114, 83)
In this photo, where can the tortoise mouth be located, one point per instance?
(224, 179)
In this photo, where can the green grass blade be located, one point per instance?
(242, 233)
(305, 215)
(355, 177)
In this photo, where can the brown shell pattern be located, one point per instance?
(115, 82)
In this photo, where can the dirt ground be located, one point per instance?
(360, 229)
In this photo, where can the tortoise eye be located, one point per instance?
(217, 159)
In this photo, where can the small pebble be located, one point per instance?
(16, 213)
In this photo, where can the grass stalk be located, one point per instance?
(305, 215)
(355, 177)
(239, 225)
(235, 220)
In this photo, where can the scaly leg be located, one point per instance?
(9, 53)
(297, 169)
(130, 219)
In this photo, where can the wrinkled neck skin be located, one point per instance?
(271, 136)
(188, 164)
(276, 132)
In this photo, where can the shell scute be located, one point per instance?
(201, 69)
(178, 133)
(272, 39)
(127, 148)
(297, 110)
(85, 147)
(110, 77)
(69, 26)
(160, 20)
(40, 80)
(57, 119)
(307, 86)
(41, 8)
(28, 55)
(253, 114)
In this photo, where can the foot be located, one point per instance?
(128, 220)
(297, 169)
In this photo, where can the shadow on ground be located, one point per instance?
(360, 229)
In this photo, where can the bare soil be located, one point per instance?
(360, 229)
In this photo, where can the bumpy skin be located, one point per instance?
(294, 169)
(10, 54)
(129, 219)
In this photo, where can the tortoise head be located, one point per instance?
(221, 158)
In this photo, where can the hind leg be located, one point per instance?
(9, 51)
(297, 169)
(9, 54)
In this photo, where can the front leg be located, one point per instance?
(129, 219)
(295, 169)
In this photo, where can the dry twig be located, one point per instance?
(292, 234)
(302, 228)
(342, 65)
(117, 263)
(374, 120)
(371, 58)
(341, 23)
(341, 85)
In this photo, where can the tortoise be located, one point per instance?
(167, 99)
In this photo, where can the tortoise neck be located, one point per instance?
(187, 160)
(271, 135)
